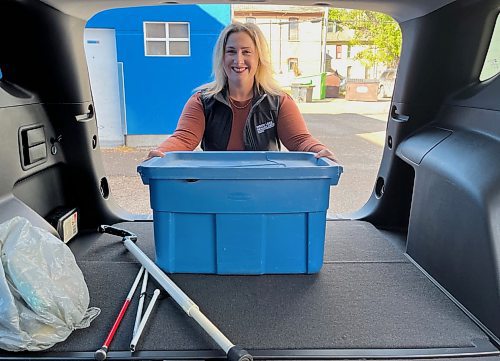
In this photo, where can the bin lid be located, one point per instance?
(367, 81)
(239, 165)
(302, 85)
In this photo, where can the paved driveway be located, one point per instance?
(355, 131)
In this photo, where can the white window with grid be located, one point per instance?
(167, 39)
(293, 29)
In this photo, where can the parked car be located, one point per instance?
(342, 85)
(413, 275)
(386, 83)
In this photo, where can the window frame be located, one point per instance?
(348, 71)
(332, 27)
(295, 22)
(338, 51)
(491, 57)
(291, 61)
(167, 39)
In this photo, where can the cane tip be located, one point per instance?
(100, 355)
(237, 353)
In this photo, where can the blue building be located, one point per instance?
(141, 81)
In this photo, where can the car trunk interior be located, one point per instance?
(369, 300)
(413, 274)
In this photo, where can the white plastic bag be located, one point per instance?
(43, 295)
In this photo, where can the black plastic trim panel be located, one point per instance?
(482, 348)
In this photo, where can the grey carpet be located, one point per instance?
(368, 305)
(367, 295)
(353, 241)
(345, 241)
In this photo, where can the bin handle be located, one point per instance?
(269, 163)
(328, 161)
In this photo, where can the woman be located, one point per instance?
(243, 108)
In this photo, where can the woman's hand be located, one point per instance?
(326, 153)
(155, 153)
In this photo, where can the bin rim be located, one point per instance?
(239, 165)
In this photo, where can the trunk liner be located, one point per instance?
(367, 296)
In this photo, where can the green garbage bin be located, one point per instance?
(319, 82)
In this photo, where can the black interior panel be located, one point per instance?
(454, 223)
(437, 194)
(51, 61)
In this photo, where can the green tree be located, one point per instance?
(379, 32)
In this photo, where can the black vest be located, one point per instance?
(261, 127)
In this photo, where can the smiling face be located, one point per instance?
(240, 60)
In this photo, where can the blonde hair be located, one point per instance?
(263, 77)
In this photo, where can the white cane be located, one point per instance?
(142, 296)
(142, 323)
(233, 352)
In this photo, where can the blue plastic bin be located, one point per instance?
(239, 212)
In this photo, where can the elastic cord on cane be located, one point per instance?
(149, 295)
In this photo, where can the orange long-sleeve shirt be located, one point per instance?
(292, 129)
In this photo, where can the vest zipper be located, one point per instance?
(223, 101)
(248, 131)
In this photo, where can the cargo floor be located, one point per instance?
(368, 300)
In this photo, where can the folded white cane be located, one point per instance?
(102, 353)
(144, 319)
(142, 296)
(233, 352)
